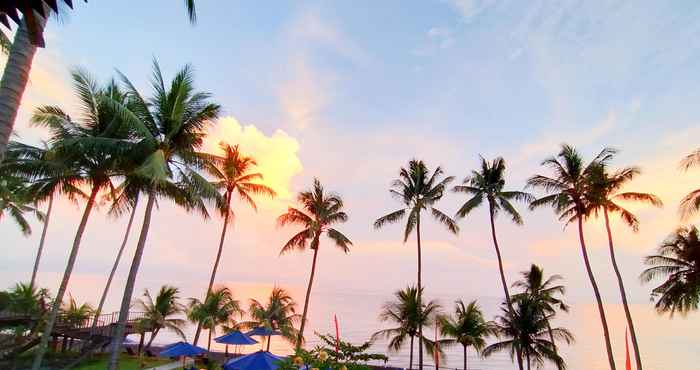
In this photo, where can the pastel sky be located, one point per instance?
(349, 91)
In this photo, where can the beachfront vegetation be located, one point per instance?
(161, 312)
(216, 310)
(319, 211)
(466, 328)
(278, 316)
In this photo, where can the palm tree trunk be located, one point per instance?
(141, 338)
(39, 356)
(419, 296)
(410, 357)
(209, 341)
(118, 337)
(216, 261)
(601, 311)
(14, 79)
(98, 312)
(465, 356)
(527, 353)
(503, 276)
(153, 336)
(300, 337)
(623, 294)
(41, 242)
(551, 337)
(269, 339)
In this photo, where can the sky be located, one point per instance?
(350, 91)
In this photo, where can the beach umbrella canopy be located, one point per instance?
(235, 337)
(262, 331)
(261, 360)
(182, 349)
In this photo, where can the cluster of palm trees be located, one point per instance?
(527, 330)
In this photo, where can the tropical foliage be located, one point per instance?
(160, 313)
(277, 314)
(467, 328)
(215, 311)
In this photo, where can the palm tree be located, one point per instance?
(418, 190)
(19, 63)
(606, 197)
(467, 328)
(569, 193)
(15, 201)
(678, 262)
(527, 331)
(75, 315)
(158, 313)
(26, 160)
(277, 314)
(232, 174)
(169, 127)
(543, 294)
(216, 310)
(93, 149)
(404, 312)
(319, 211)
(690, 204)
(488, 182)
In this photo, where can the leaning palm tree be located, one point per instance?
(277, 314)
(404, 312)
(543, 293)
(690, 204)
(319, 211)
(606, 198)
(216, 310)
(26, 160)
(169, 130)
(488, 183)
(159, 313)
(233, 174)
(678, 262)
(419, 191)
(19, 63)
(93, 149)
(467, 328)
(526, 331)
(569, 193)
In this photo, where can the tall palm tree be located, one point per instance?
(74, 314)
(216, 310)
(543, 294)
(26, 160)
(169, 128)
(419, 191)
(526, 331)
(678, 262)
(319, 211)
(569, 192)
(159, 313)
(488, 183)
(93, 148)
(277, 314)
(233, 174)
(467, 328)
(404, 312)
(606, 198)
(690, 204)
(19, 63)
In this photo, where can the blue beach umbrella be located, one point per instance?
(236, 338)
(263, 332)
(183, 349)
(261, 360)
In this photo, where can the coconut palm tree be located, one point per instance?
(277, 314)
(233, 174)
(543, 294)
(169, 129)
(74, 314)
(404, 312)
(19, 63)
(606, 197)
(467, 328)
(690, 204)
(216, 310)
(319, 211)
(92, 147)
(160, 313)
(678, 262)
(569, 194)
(26, 160)
(488, 183)
(419, 191)
(526, 331)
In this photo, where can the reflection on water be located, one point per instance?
(665, 344)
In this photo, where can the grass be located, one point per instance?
(126, 362)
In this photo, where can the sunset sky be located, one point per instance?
(349, 91)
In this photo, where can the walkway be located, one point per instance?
(172, 365)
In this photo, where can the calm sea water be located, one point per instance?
(665, 344)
